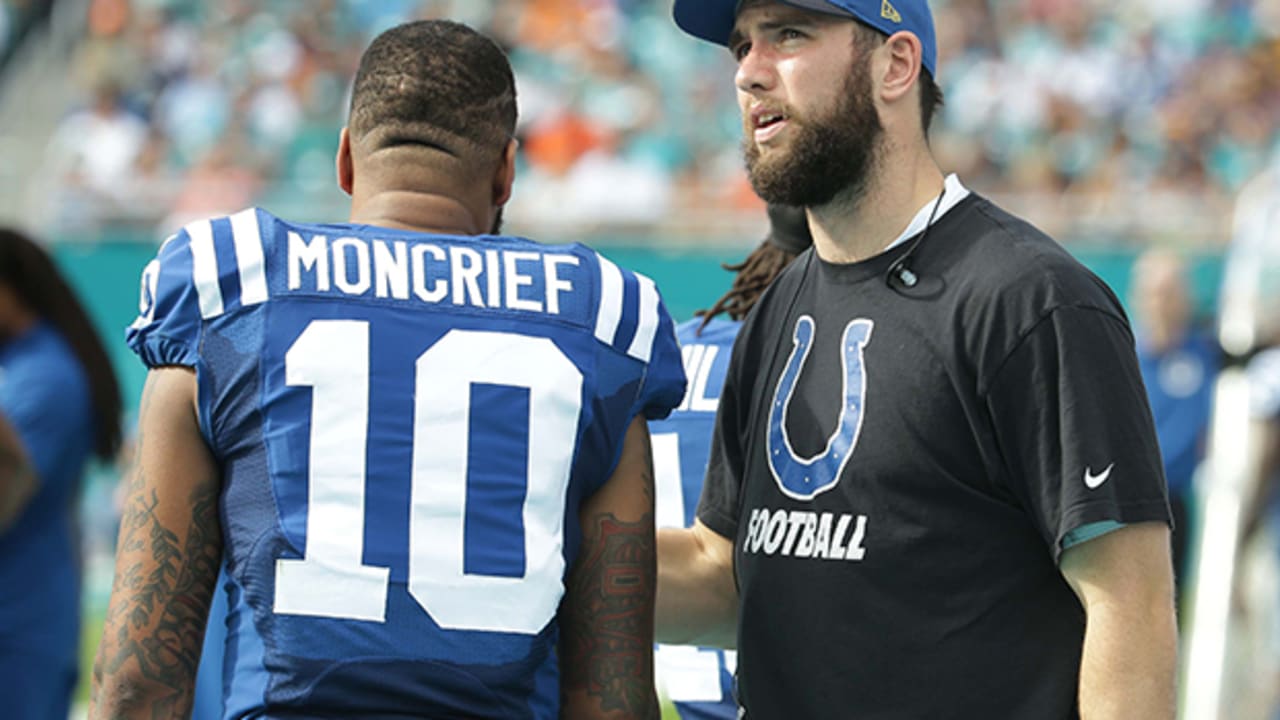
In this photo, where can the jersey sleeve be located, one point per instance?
(631, 318)
(664, 381)
(167, 330)
(1072, 421)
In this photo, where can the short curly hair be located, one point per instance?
(434, 83)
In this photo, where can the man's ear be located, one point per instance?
(505, 177)
(346, 169)
(905, 55)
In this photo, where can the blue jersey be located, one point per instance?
(207, 701)
(698, 680)
(407, 425)
(44, 395)
(1179, 385)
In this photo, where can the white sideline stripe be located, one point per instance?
(204, 268)
(610, 312)
(647, 325)
(248, 240)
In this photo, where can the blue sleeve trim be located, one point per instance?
(1091, 531)
(157, 351)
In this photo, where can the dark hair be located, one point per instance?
(930, 99)
(438, 84)
(788, 238)
(29, 271)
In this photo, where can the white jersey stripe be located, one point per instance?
(147, 294)
(610, 312)
(647, 326)
(204, 268)
(248, 240)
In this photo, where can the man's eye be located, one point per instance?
(789, 34)
(741, 51)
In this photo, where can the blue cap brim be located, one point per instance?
(710, 20)
(713, 20)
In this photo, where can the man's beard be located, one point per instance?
(829, 156)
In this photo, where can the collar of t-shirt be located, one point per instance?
(953, 193)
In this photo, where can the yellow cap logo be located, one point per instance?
(889, 12)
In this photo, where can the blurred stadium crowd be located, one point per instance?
(1117, 124)
(1066, 109)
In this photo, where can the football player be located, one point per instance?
(417, 447)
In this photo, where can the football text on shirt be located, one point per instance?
(806, 534)
(430, 273)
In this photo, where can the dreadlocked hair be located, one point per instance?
(30, 272)
(754, 275)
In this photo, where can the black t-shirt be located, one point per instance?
(899, 470)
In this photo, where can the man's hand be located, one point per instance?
(697, 597)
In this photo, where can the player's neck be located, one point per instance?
(849, 230)
(419, 212)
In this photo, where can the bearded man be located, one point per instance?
(935, 489)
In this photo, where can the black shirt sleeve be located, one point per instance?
(1075, 431)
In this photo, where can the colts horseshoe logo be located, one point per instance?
(806, 478)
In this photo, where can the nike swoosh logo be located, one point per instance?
(1093, 482)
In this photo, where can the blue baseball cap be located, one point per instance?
(712, 20)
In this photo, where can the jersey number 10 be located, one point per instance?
(332, 579)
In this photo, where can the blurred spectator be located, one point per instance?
(1076, 107)
(1261, 509)
(222, 180)
(194, 109)
(92, 154)
(94, 150)
(1249, 330)
(59, 405)
(1179, 363)
(1254, 270)
(1264, 391)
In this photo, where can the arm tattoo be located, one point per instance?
(158, 621)
(608, 633)
(160, 602)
